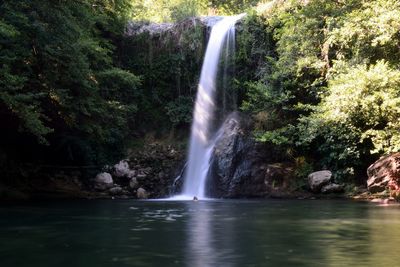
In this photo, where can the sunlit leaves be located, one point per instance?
(370, 32)
(367, 98)
(360, 115)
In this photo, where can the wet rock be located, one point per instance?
(384, 171)
(156, 165)
(332, 188)
(317, 180)
(133, 183)
(235, 165)
(103, 181)
(122, 170)
(116, 191)
(141, 193)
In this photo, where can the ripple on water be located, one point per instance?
(140, 229)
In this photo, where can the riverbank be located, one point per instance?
(59, 189)
(153, 169)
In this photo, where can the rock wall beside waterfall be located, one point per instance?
(148, 172)
(242, 167)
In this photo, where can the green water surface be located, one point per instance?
(204, 233)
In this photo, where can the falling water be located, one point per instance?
(202, 134)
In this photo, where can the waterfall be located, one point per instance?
(203, 137)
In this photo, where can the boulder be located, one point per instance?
(317, 180)
(383, 172)
(141, 193)
(122, 170)
(116, 191)
(332, 188)
(235, 168)
(103, 181)
(133, 183)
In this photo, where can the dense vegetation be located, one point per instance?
(64, 97)
(321, 78)
(329, 95)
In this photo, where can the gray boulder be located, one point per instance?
(317, 180)
(121, 169)
(103, 181)
(141, 193)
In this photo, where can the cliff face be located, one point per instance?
(242, 167)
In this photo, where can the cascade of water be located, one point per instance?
(202, 134)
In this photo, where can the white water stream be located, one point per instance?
(203, 137)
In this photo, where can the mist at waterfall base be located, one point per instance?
(207, 115)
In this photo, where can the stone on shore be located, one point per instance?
(141, 193)
(317, 180)
(103, 181)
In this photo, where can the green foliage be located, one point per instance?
(365, 101)
(368, 33)
(328, 89)
(58, 78)
(231, 7)
(160, 11)
(169, 65)
(180, 110)
(167, 10)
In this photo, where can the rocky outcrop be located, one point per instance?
(148, 173)
(384, 173)
(156, 169)
(103, 181)
(240, 166)
(317, 180)
(232, 160)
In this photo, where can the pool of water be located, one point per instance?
(204, 233)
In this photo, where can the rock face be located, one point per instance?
(103, 181)
(154, 167)
(383, 173)
(236, 169)
(317, 180)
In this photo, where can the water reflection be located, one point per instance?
(203, 233)
(211, 235)
(301, 234)
(200, 244)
